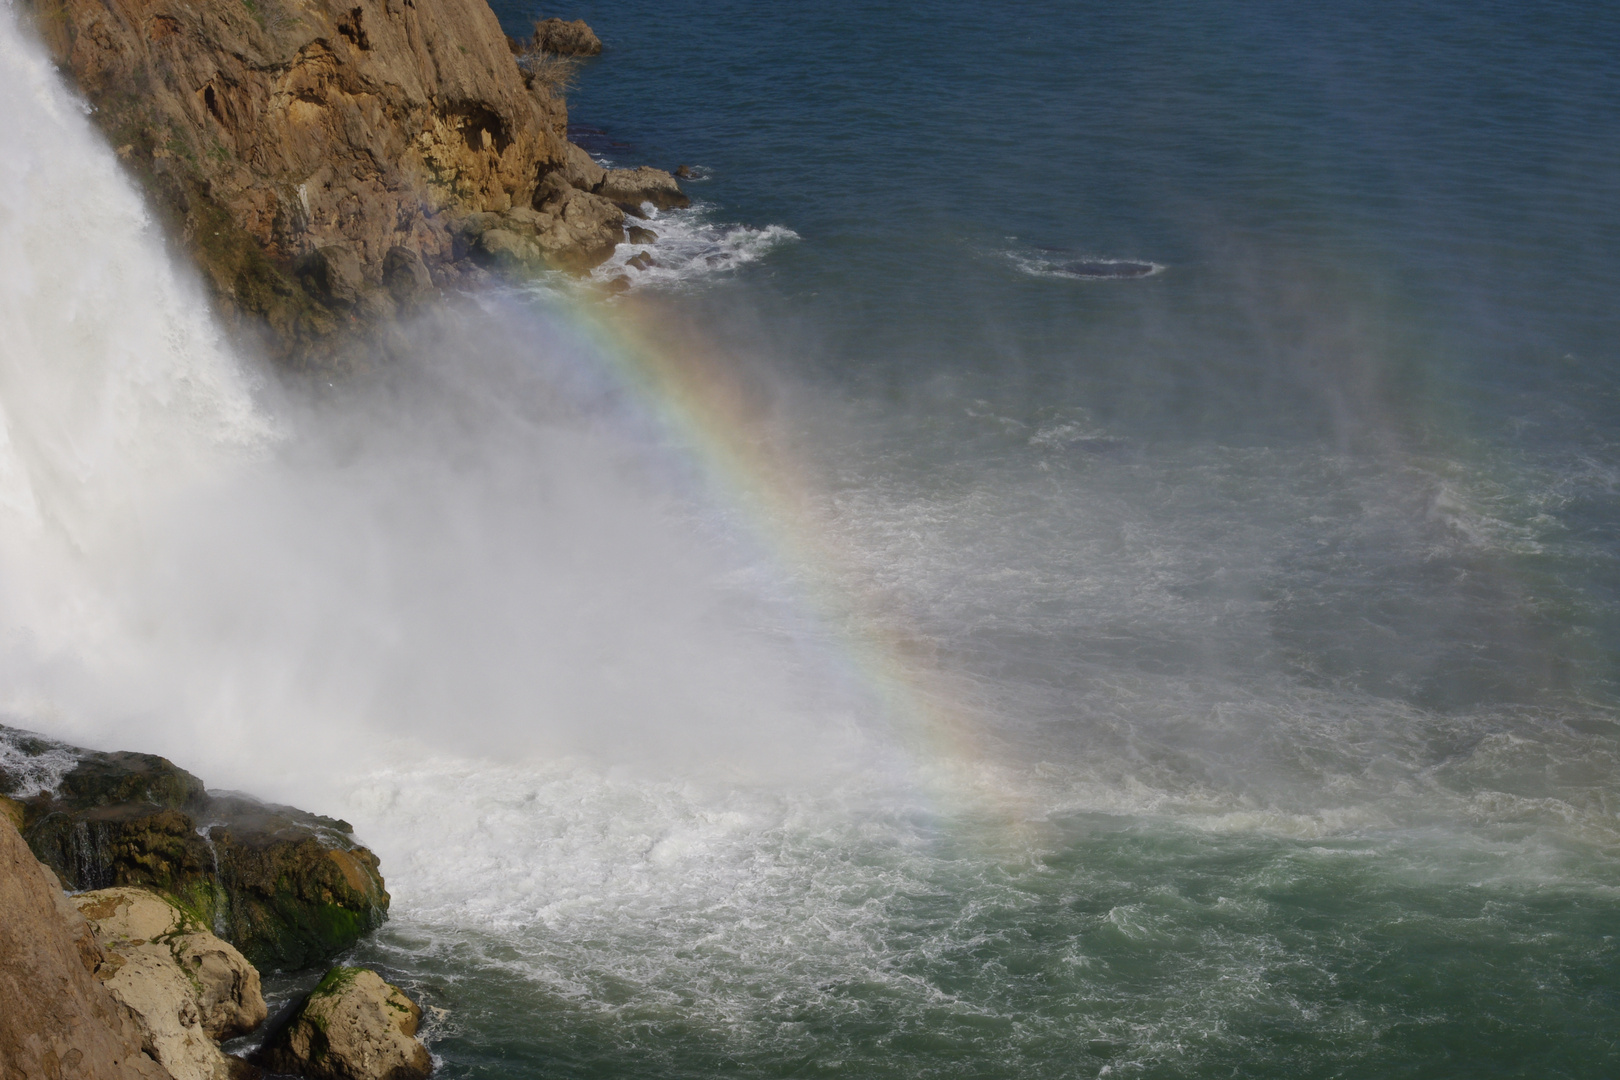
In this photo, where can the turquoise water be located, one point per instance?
(1281, 583)
(1210, 672)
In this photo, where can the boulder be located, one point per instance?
(581, 170)
(584, 228)
(353, 1026)
(298, 890)
(637, 234)
(56, 1019)
(565, 38)
(334, 274)
(632, 187)
(287, 888)
(406, 276)
(186, 988)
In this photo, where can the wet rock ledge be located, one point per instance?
(287, 888)
(330, 164)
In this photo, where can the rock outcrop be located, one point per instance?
(56, 1020)
(186, 988)
(353, 1026)
(322, 159)
(566, 38)
(287, 888)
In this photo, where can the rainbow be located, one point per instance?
(689, 390)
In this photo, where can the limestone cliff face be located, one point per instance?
(185, 987)
(314, 153)
(56, 1019)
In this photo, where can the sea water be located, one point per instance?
(1098, 558)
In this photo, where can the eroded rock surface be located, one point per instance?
(186, 987)
(320, 157)
(56, 1019)
(353, 1026)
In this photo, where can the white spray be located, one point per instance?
(474, 562)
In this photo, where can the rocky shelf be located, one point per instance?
(288, 888)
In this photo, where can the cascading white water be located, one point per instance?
(279, 595)
(117, 394)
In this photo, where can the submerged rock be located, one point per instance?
(56, 1019)
(566, 38)
(353, 1026)
(186, 988)
(286, 887)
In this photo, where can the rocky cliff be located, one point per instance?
(330, 162)
(287, 888)
(56, 1019)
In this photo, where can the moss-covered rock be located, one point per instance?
(352, 1026)
(286, 887)
(300, 891)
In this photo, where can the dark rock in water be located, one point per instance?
(685, 172)
(298, 889)
(618, 285)
(637, 234)
(289, 888)
(566, 38)
(641, 261)
(1097, 268)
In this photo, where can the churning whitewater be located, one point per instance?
(1166, 714)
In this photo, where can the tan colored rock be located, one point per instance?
(186, 987)
(353, 1026)
(566, 38)
(273, 129)
(632, 187)
(583, 229)
(56, 1020)
(580, 169)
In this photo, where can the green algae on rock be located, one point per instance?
(286, 887)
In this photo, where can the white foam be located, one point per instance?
(691, 247)
(1076, 266)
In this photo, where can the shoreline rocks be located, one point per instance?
(286, 887)
(186, 988)
(122, 984)
(352, 1026)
